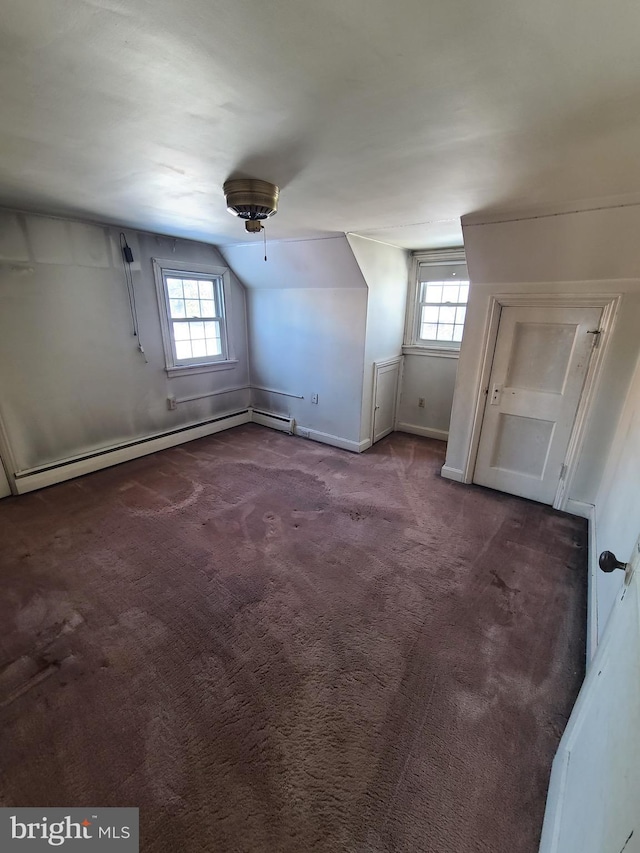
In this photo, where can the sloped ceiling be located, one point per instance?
(296, 264)
(386, 119)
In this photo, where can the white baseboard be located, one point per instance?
(580, 508)
(333, 440)
(426, 432)
(588, 511)
(449, 473)
(68, 469)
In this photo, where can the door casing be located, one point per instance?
(399, 360)
(6, 457)
(609, 304)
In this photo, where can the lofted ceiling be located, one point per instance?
(390, 120)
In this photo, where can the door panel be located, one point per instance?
(539, 367)
(385, 397)
(593, 804)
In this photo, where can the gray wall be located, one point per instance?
(71, 378)
(432, 378)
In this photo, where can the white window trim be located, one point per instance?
(413, 345)
(163, 265)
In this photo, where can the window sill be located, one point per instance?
(433, 351)
(212, 366)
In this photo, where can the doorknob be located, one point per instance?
(608, 562)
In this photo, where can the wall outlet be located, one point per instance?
(314, 398)
(171, 403)
(421, 402)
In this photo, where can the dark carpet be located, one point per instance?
(270, 645)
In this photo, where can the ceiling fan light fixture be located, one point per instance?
(251, 200)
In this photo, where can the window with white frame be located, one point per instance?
(440, 291)
(192, 313)
(442, 310)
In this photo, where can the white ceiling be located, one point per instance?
(385, 119)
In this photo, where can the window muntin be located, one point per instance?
(195, 309)
(442, 307)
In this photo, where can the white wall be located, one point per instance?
(618, 500)
(307, 320)
(432, 378)
(308, 342)
(587, 252)
(385, 269)
(71, 378)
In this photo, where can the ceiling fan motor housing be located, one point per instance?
(251, 199)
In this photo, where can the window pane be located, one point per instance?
(192, 307)
(460, 314)
(197, 331)
(181, 331)
(212, 329)
(199, 348)
(464, 292)
(190, 289)
(208, 308)
(457, 333)
(174, 288)
(176, 306)
(450, 293)
(447, 315)
(434, 292)
(445, 333)
(430, 314)
(206, 289)
(213, 346)
(429, 331)
(183, 350)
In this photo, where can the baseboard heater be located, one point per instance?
(66, 469)
(284, 423)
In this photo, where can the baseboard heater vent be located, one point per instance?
(284, 423)
(66, 469)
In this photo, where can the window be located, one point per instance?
(192, 314)
(437, 306)
(443, 306)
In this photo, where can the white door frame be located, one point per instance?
(609, 304)
(398, 359)
(6, 457)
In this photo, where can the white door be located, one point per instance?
(539, 367)
(593, 805)
(385, 395)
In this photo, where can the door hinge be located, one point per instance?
(596, 336)
(563, 470)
